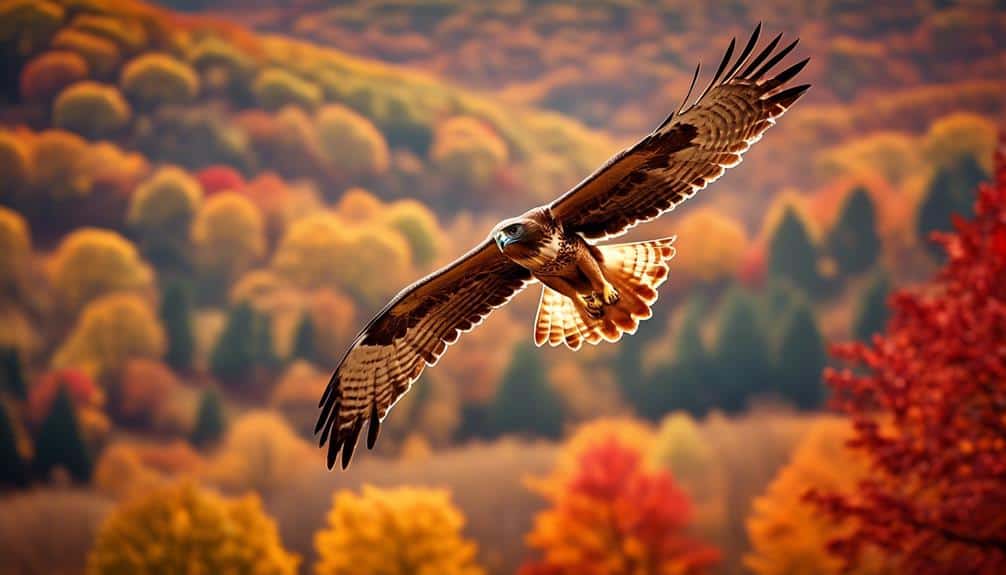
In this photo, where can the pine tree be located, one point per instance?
(853, 242)
(525, 403)
(683, 384)
(303, 340)
(792, 255)
(741, 355)
(176, 317)
(210, 422)
(264, 351)
(60, 442)
(12, 379)
(234, 353)
(872, 313)
(12, 468)
(801, 359)
(951, 191)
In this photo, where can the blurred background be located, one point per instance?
(202, 201)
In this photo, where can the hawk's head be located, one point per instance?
(523, 234)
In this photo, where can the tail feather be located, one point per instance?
(636, 270)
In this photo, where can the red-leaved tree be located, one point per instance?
(612, 515)
(928, 401)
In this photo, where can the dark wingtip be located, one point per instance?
(789, 96)
(374, 427)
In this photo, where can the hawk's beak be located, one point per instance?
(502, 241)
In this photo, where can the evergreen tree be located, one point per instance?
(264, 351)
(683, 384)
(872, 313)
(12, 379)
(792, 255)
(801, 359)
(741, 355)
(303, 340)
(234, 353)
(951, 191)
(176, 316)
(60, 442)
(525, 403)
(853, 242)
(210, 421)
(12, 468)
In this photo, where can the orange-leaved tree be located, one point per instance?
(612, 513)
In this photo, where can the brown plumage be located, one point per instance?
(591, 293)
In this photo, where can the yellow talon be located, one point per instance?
(610, 294)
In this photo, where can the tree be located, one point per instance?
(801, 359)
(407, 530)
(854, 242)
(741, 354)
(468, 152)
(419, 226)
(275, 88)
(229, 235)
(47, 74)
(12, 377)
(161, 211)
(872, 312)
(234, 353)
(60, 443)
(792, 255)
(259, 453)
(102, 55)
(13, 472)
(210, 422)
(610, 514)
(91, 109)
(91, 262)
(303, 340)
(15, 252)
(683, 383)
(153, 79)
(176, 317)
(15, 164)
(937, 480)
(350, 142)
(109, 331)
(710, 245)
(950, 191)
(63, 154)
(184, 529)
(525, 403)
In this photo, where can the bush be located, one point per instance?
(228, 235)
(154, 80)
(47, 74)
(90, 109)
(111, 330)
(400, 531)
(90, 262)
(351, 144)
(58, 165)
(102, 55)
(276, 88)
(60, 442)
(15, 252)
(175, 528)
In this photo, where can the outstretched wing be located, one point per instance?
(690, 149)
(410, 333)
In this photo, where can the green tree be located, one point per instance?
(801, 359)
(263, 347)
(275, 88)
(153, 80)
(741, 354)
(161, 211)
(950, 191)
(792, 255)
(176, 317)
(12, 379)
(91, 109)
(210, 422)
(872, 312)
(683, 383)
(303, 340)
(234, 353)
(524, 402)
(854, 242)
(60, 442)
(12, 466)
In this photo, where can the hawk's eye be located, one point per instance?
(513, 230)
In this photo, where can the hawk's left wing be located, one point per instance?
(411, 332)
(690, 149)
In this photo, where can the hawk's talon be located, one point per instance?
(610, 295)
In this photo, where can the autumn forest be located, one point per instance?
(203, 201)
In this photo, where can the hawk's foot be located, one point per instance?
(592, 303)
(610, 294)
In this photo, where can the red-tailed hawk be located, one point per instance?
(590, 292)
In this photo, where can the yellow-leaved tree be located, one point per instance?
(184, 529)
(710, 245)
(91, 262)
(15, 251)
(111, 330)
(788, 535)
(228, 234)
(402, 531)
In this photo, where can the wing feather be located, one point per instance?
(689, 150)
(411, 332)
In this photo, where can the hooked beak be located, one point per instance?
(502, 240)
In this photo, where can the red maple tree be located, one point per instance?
(928, 400)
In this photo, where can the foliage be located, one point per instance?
(81, 387)
(296, 396)
(351, 144)
(683, 382)
(91, 262)
(934, 446)
(710, 245)
(872, 313)
(91, 109)
(950, 191)
(468, 152)
(420, 228)
(143, 387)
(60, 442)
(63, 154)
(111, 330)
(303, 340)
(228, 234)
(400, 531)
(853, 241)
(234, 353)
(613, 514)
(161, 210)
(129, 34)
(210, 422)
(952, 138)
(275, 88)
(176, 317)
(179, 528)
(260, 453)
(524, 402)
(792, 254)
(46, 75)
(102, 55)
(13, 470)
(27, 24)
(801, 359)
(15, 163)
(196, 137)
(15, 252)
(153, 80)
(120, 472)
(220, 178)
(741, 353)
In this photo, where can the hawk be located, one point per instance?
(590, 292)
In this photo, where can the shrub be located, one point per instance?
(90, 262)
(102, 55)
(259, 453)
(351, 144)
(229, 235)
(276, 88)
(91, 109)
(60, 442)
(58, 162)
(47, 74)
(419, 226)
(408, 530)
(210, 422)
(468, 152)
(177, 527)
(111, 330)
(15, 251)
(153, 80)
